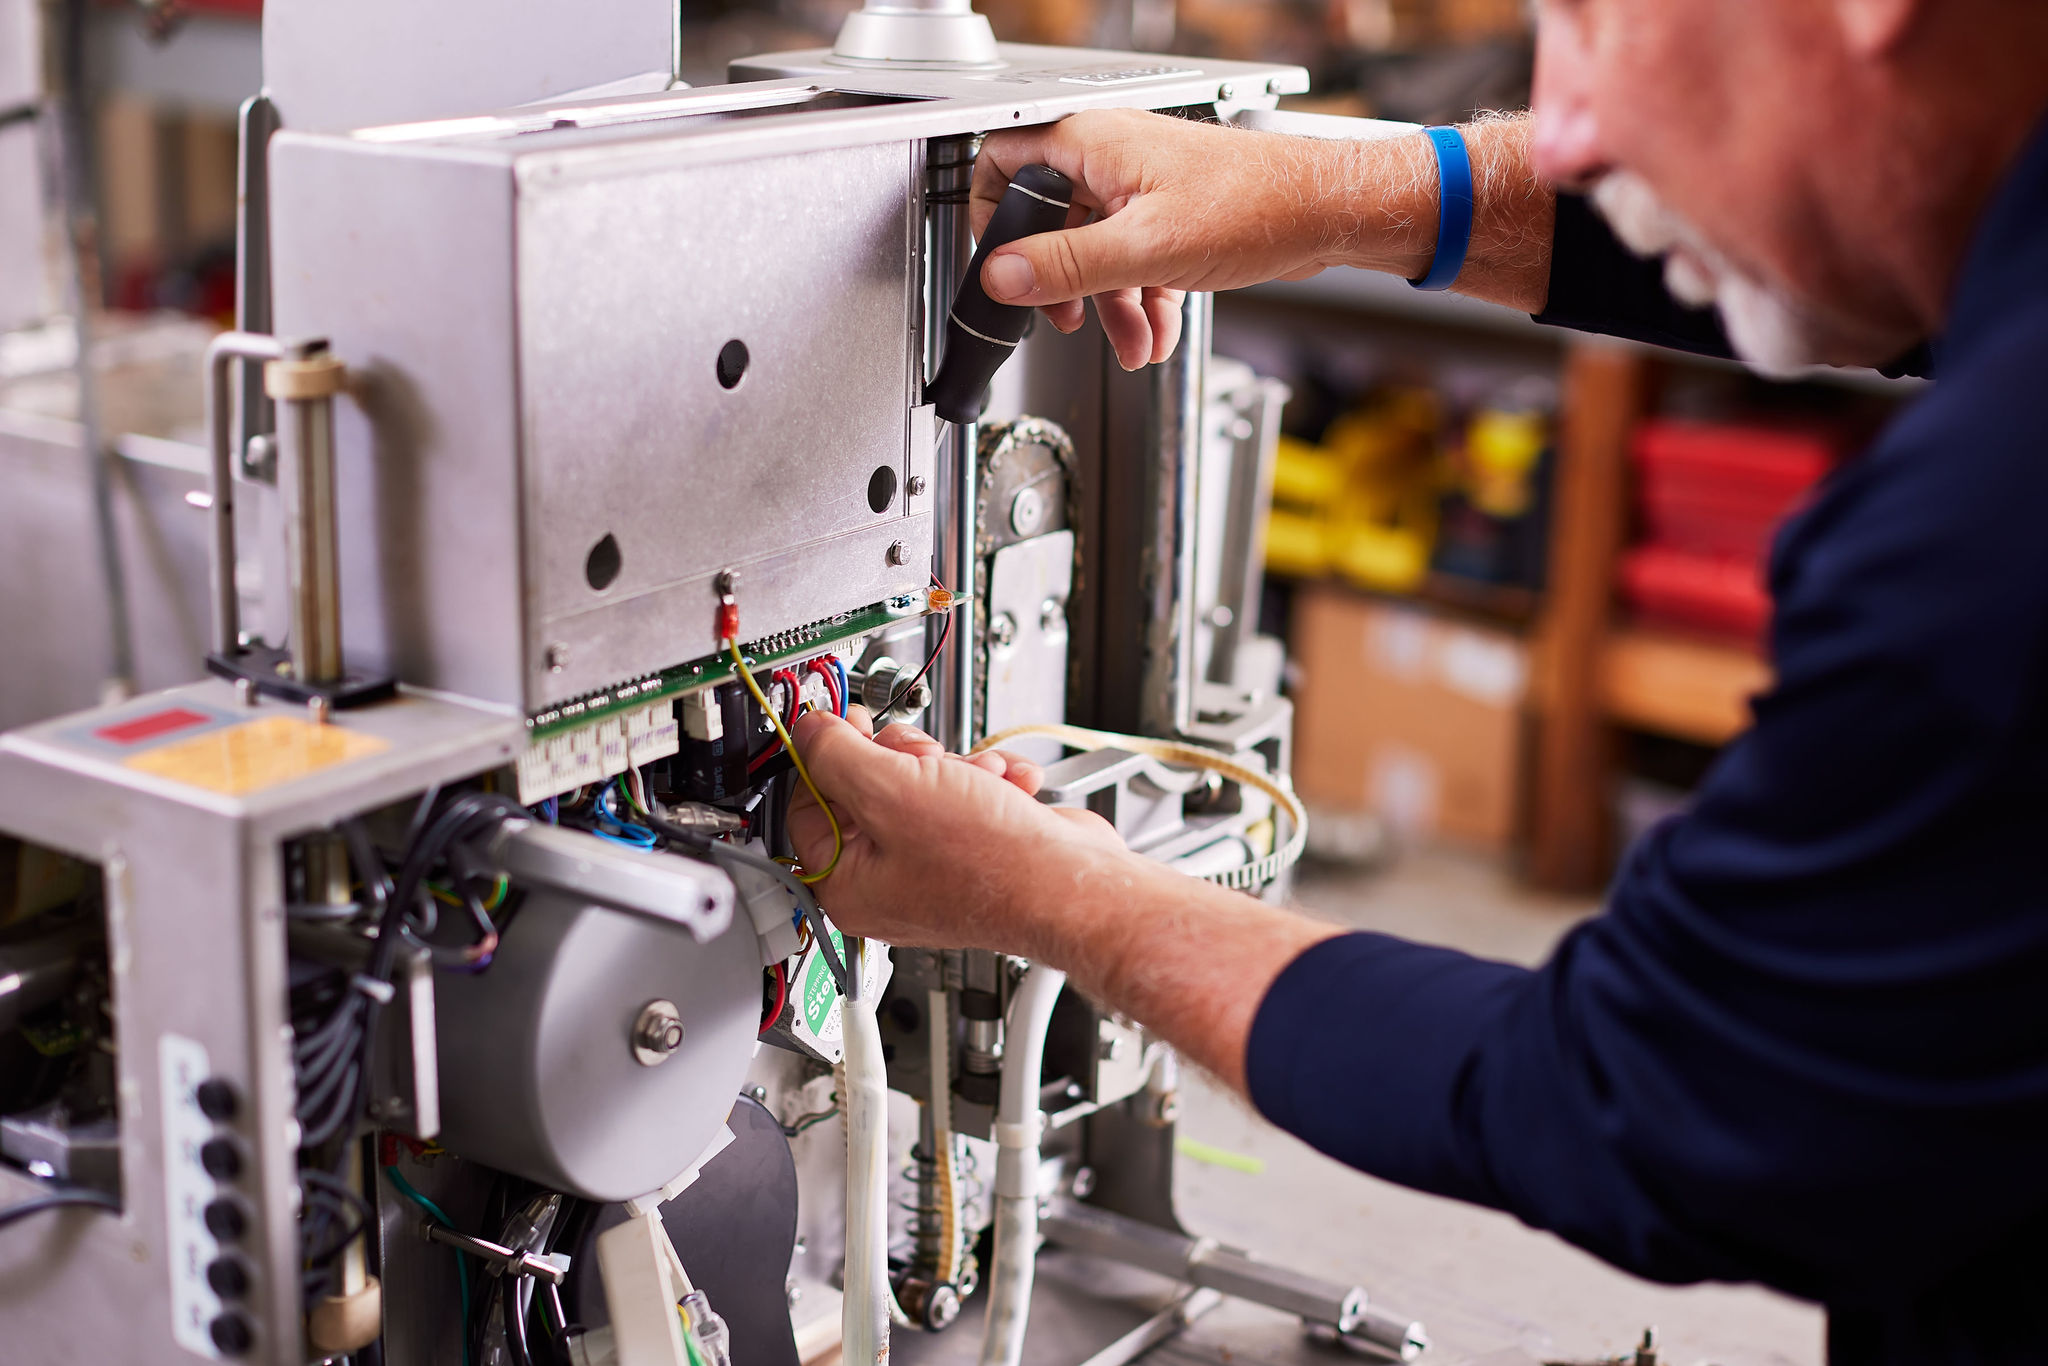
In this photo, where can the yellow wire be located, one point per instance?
(739, 665)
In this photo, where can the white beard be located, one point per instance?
(1769, 330)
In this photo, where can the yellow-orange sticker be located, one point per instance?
(256, 754)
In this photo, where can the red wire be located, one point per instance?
(781, 998)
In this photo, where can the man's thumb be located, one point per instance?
(848, 767)
(1073, 263)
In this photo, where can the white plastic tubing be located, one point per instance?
(864, 1316)
(1019, 1124)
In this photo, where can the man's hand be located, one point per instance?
(945, 852)
(940, 851)
(1165, 205)
(1181, 206)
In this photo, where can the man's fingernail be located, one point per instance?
(911, 732)
(1009, 276)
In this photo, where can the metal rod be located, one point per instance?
(1169, 1321)
(255, 414)
(305, 432)
(948, 248)
(73, 162)
(1168, 700)
(226, 349)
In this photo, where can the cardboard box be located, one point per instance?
(1408, 714)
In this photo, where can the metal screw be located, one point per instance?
(1221, 616)
(317, 708)
(558, 658)
(1166, 1109)
(1027, 511)
(802, 1245)
(1274, 86)
(1083, 1184)
(916, 486)
(245, 691)
(657, 1033)
(759, 1093)
(1052, 615)
(793, 1290)
(898, 553)
(1003, 630)
(1226, 91)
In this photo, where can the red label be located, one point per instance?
(149, 727)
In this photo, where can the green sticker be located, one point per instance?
(820, 992)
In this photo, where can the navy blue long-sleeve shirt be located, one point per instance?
(1806, 1043)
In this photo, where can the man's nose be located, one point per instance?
(1567, 150)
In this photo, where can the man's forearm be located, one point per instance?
(1381, 201)
(1188, 960)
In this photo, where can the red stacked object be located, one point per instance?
(1710, 497)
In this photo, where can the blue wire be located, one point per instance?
(845, 691)
(634, 836)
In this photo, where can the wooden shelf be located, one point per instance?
(1691, 689)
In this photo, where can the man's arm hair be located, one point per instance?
(1384, 199)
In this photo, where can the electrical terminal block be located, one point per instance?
(589, 754)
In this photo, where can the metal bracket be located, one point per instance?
(1342, 1311)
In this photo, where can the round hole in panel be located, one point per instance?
(882, 488)
(602, 565)
(732, 363)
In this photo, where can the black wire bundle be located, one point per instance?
(333, 1057)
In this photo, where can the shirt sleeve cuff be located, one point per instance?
(1365, 1047)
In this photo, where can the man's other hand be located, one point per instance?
(940, 850)
(1177, 206)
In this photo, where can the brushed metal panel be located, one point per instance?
(405, 263)
(629, 288)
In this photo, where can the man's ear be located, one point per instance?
(1877, 28)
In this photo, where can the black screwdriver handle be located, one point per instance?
(981, 333)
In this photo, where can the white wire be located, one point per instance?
(1246, 876)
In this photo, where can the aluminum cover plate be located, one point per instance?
(631, 288)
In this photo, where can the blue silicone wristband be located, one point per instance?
(1454, 219)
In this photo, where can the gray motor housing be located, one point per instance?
(539, 1075)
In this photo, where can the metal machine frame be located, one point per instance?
(510, 331)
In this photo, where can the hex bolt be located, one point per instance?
(657, 1033)
(898, 553)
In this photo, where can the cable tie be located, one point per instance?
(376, 989)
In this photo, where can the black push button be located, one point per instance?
(228, 1277)
(217, 1100)
(221, 1158)
(226, 1221)
(231, 1334)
